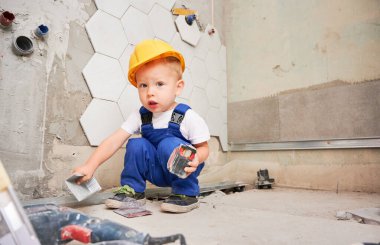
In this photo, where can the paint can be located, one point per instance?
(41, 31)
(22, 45)
(190, 19)
(6, 19)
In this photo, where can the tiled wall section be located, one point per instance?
(114, 30)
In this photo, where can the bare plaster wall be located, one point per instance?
(303, 70)
(275, 46)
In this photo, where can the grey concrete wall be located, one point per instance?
(43, 95)
(337, 110)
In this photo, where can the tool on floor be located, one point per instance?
(59, 225)
(263, 180)
(15, 228)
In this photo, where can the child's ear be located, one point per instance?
(180, 86)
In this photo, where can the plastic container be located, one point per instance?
(22, 45)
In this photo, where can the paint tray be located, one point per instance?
(179, 160)
(84, 190)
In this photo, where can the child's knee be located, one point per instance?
(166, 146)
(137, 144)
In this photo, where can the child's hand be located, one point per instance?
(193, 165)
(86, 171)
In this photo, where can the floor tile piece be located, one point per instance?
(106, 34)
(129, 101)
(199, 73)
(104, 77)
(136, 26)
(114, 7)
(100, 120)
(199, 102)
(214, 92)
(162, 23)
(189, 33)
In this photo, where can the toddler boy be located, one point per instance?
(155, 69)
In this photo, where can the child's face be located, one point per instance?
(158, 86)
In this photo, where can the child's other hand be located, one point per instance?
(193, 165)
(84, 170)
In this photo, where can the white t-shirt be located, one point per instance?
(193, 127)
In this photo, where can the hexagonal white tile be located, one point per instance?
(189, 33)
(214, 93)
(113, 7)
(201, 49)
(129, 101)
(223, 82)
(214, 121)
(213, 39)
(143, 5)
(167, 4)
(106, 34)
(223, 137)
(199, 102)
(162, 23)
(213, 64)
(104, 77)
(223, 109)
(124, 59)
(188, 84)
(199, 73)
(223, 58)
(136, 25)
(100, 120)
(186, 49)
(182, 100)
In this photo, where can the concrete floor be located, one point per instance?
(276, 216)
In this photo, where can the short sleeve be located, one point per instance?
(133, 122)
(194, 128)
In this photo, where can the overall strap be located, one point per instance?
(146, 118)
(178, 115)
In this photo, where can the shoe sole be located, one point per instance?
(114, 204)
(172, 208)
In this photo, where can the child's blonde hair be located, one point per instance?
(175, 64)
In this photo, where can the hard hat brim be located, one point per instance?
(132, 70)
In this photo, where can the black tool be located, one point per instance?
(263, 180)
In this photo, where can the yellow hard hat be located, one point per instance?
(149, 50)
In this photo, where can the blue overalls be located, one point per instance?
(146, 157)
